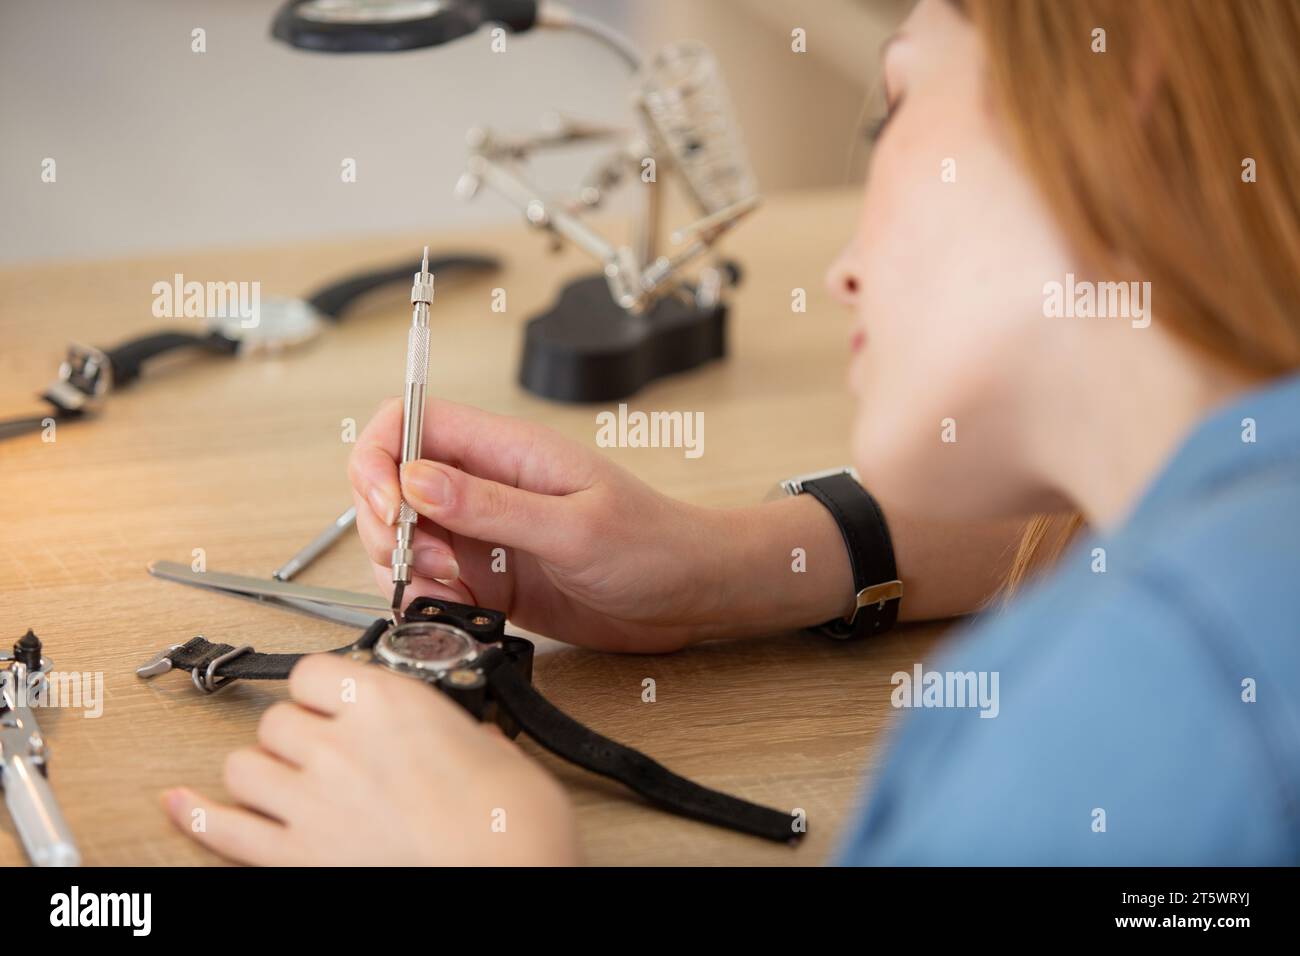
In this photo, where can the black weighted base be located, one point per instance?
(587, 349)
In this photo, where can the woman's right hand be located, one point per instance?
(515, 517)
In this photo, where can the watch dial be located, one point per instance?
(278, 324)
(427, 646)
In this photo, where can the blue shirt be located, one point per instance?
(1146, 714)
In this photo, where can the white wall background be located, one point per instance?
(160, 148)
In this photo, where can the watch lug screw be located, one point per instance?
(464, 677)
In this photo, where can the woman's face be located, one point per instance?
(945, 278)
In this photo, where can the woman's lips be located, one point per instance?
(857, 343)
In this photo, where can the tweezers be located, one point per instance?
(344, 607)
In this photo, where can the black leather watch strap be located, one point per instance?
(215, 665)
(13, 427)
(90, 373)
(565, 737)
(871, 555)
(198, 653)
(128, 358)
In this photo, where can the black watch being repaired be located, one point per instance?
(464, 652)
(878, 591)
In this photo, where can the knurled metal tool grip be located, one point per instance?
(417, 374)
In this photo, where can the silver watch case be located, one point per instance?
(281, 324)
(427, 649)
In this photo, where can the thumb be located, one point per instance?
(483, 509)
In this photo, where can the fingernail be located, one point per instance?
(426, 482)
(173, 799)
(384, 508)
(433, 563)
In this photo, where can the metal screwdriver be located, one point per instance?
(417, 373)
(317, 545)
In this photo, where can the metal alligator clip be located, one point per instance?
(24, 759)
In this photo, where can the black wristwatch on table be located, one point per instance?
(464, 652)
(878, 591)
(88, 375)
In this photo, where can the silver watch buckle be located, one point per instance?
(794, 486)
(85, 377)
(160, 663)
(876, 594)
(207, 681)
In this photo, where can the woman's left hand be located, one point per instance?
(364, 767)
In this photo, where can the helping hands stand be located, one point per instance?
(640, 318)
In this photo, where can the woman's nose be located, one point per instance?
(843, 278)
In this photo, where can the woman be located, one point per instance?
(1146, 713)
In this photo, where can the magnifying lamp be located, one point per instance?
(387, 26)
(639, 317)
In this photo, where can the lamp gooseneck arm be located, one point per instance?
(560, 17)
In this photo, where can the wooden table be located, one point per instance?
(246, 459)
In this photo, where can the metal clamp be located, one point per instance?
(34, 676)
(24, 757)
(208, 681)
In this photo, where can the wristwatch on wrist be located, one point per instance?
(878, 591)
